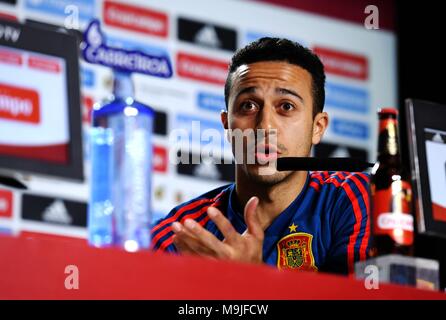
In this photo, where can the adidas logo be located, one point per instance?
(208, 36)
(57, 213)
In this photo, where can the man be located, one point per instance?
(290, 219)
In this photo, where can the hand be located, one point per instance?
(192, 238)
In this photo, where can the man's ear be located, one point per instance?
(224, 122)
(224, 118)
(320, 124)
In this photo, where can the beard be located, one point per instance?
(267, 176)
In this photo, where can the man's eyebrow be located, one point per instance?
(291, 92)
(245, 90)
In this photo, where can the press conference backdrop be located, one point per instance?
(200, 37)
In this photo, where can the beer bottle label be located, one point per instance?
(391, 213)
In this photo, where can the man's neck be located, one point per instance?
(274, 199)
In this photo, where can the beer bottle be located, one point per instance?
(392, 220)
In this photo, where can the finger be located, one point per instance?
(185, 236)
(185, 248)
(205, 237)
(182, 235)
(179, 229)
(252, 219)
(223, 224)
(188, 244)
(182, 247)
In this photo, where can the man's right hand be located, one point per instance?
(192, 238)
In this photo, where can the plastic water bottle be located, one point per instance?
(100, 209)
(120, 203)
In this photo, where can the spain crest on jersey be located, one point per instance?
(294, 252)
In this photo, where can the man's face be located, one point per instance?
(276, 97)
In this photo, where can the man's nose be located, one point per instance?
(266, 118)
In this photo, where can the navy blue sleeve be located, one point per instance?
(351, 225)
(161, 232)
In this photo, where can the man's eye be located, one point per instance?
(248, 106)
(287, 106)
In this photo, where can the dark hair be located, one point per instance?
(279, 49)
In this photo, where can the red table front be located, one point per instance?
(46, 268)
